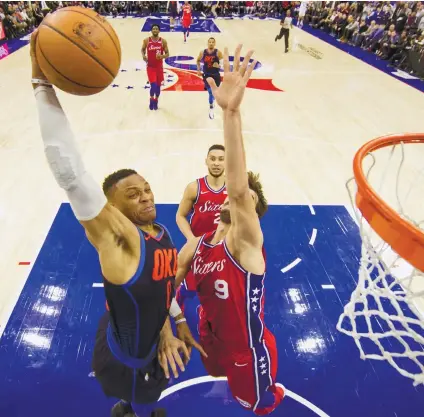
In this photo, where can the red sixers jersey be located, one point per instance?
(154, 47)
(186, 12)
(232, 298)
(205, 215)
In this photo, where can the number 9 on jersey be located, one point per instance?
(221, 289)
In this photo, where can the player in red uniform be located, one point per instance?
(203, 198)
(186, 19)
(157, 50)
(228, 266)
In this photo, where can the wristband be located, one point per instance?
(180, 321)
(175, 309)
(40, 81)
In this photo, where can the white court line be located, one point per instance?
(98, 285)
(290, 266)
(303, 401)
(313, 237)
(203, 379)
(328, 286)
(189, 383)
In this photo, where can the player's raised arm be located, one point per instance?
(186, 205)
(245, 232)
(107, 228)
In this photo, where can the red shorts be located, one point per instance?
(251, 373)
(186, 23)
(155, 75)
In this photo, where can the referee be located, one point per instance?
(285, 24)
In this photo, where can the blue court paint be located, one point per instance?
(365, 56)
(198, 25)
(45, 351)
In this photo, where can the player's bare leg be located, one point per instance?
(211, 103)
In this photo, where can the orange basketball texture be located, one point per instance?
(78, 50)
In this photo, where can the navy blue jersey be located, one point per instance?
(139, 308)
(209, 59)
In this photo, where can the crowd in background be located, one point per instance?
(19, 16)
(394, 31)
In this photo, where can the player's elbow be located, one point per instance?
(178, 216)
(180, 219)
(238, 192)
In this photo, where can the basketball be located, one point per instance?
(78, 50)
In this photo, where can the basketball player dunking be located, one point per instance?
(134, 345)
(186, 19)
(203, 198)
(229, 266)
(210, 57)
(157, 51)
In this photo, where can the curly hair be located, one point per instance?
(256, 186)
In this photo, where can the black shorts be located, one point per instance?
(215, 76)
(174, 13)
(118, 380)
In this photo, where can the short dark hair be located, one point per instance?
(155, 24)
(256, 186)
(216, 147)
(116, 176)
(211, 38)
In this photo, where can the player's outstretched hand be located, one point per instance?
(229, 94)
(169, 350)
(184, 334)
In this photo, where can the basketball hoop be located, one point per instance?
(385, 314)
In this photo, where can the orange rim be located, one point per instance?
(404, 238)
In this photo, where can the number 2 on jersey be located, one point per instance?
(217, 218)
(221, 289)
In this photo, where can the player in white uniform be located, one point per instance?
(302, 12)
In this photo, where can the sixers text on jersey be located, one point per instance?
(206, 208)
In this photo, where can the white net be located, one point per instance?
(385, 314)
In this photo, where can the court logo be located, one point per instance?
(402, 74)
(314, 53)
(184, 77)
(4, 51)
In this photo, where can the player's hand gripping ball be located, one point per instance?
(78, 50)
